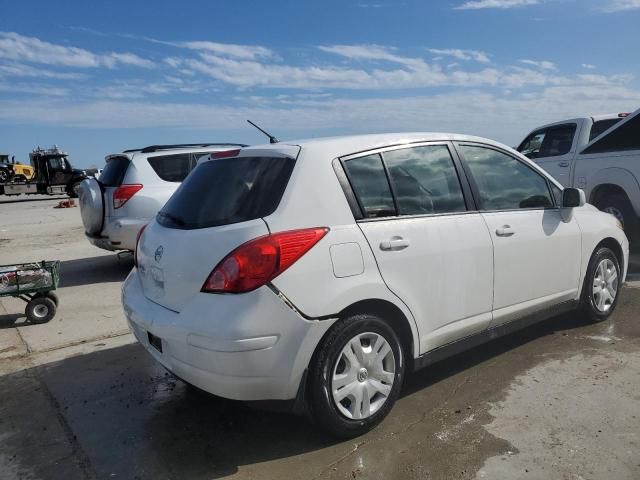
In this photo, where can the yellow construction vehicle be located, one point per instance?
(10, 171)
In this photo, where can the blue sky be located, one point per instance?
(100, 77)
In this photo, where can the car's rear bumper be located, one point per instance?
(118, 234)
(243, 347)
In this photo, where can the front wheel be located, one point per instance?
(601, 285)
(74, 190)
(356, 376)
(40, 309)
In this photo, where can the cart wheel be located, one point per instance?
(53, 297)
(40, 309)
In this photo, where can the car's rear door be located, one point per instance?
(536, 245)
(433, 250)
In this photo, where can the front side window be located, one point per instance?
(551, 142)
(503, 182)
(171, 168)
(370, 185)
(424, 180)
(531, 146)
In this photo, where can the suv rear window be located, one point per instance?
(171, 168)
(225, 191)
(114, 171)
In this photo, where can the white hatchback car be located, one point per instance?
(132, 187)
(322, 271)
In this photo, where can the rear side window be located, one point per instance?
(503, 182)
(424, 180)
(225, 191)
(171, 168)
(601, 126)
(113, 173)
(369, 182)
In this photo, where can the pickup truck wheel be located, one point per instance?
(618, 205)
(601, 287)
(74, 190)
(355, 376)
(4, 176)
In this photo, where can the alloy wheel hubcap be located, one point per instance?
(605, 285)
(363, 376)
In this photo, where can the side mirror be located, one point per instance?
(573, 197)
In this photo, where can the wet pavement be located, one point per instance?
(557, 400)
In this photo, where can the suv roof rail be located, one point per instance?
(155, 148)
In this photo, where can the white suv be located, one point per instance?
(133, 186)
(324, 270)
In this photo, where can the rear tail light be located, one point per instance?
(259, 261)
(123, 193)
(138, 237)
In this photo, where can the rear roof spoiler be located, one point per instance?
(155, 148)
(623, 136)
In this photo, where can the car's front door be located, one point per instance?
(553, 148)
(433, 252)
(537, 245)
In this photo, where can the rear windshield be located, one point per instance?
(602, 126)
(225, 191)
(114, 171)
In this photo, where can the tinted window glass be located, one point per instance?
(171, 168)
(370, 185)
(424, 180)
(557, 194)
(230, 190)
(114, 171)
(602, 126)
(504, 182)
(551, 142)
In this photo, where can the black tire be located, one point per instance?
(619, 206)
(322, 406)
(4, 175)
(53, 297)
(40, 310)
(73, 188)
(588, 305)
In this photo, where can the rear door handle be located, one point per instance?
(505, 231)
(563, 164)
(394, 243)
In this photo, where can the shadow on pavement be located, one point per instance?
(98, 269)
(9, 320)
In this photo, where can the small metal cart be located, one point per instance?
(33, 283)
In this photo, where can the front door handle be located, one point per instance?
(505, 231)
(394, 243)
(563, 164)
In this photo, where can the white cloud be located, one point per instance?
(505, 118)
(474, 55)
(245, 52)
(14, 46)
(542, 64)
(480, 4)
(621, 5)
(20, 70)
(371, 52)
(588, 66)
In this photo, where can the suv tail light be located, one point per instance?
(138, 237)
(226, 153)
(123, 193)
(259, 261)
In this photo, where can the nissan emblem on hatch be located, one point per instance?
(158, 254)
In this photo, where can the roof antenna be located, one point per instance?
(272, 139)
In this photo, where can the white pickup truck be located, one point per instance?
(599, 154)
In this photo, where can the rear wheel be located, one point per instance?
(40, 310)
(601, 285)
(4, 175)
(356, 376)
(73, 190)
(618, 205)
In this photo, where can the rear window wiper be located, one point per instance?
(173, 218)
